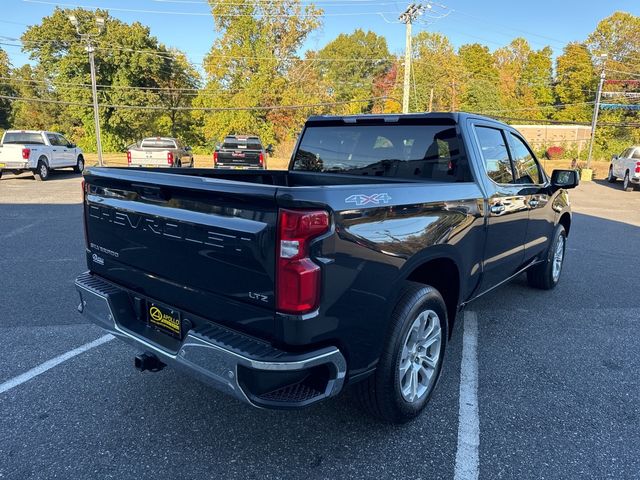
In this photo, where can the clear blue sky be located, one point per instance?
(496, 23)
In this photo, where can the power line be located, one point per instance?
(202, 109)
(208, 14)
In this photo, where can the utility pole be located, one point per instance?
(596, 109)
(408, 17)
(88, 38)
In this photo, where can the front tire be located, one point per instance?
(43, 172)
(79, 168)
(611, 178)
(411, 362)
(546, 275)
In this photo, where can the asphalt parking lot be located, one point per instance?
(557, 393)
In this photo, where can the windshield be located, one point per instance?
(158, 143)
(417, 152)
(24, 138)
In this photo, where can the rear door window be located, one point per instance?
(524, 163)
(53, 139)
(495, 154)
(636, 154)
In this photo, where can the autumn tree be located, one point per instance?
(351, 64)
(247, 69)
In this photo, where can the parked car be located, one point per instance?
(241, 152)
(626, 166)
(39, 152)
(280, 288)
(160, 152)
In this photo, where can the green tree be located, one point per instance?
(31, 83)
(617, 36)
(248, 66)
(5, 89)
(351, 64)
(576, 83)
(480, 93)
(436, 66)
(130, 65)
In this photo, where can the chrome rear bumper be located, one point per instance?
(222, 358)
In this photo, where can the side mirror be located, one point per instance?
(187, 148)
(269, 149)
(71, 145)
(217, 146)
(565, 179)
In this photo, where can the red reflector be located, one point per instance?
(25, 153)
(298, 278)
(170, 158)
(129, 158)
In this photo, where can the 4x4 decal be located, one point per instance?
(375, 199)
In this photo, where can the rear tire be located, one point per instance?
(43, 171)
(627, 186)
(79, 168)
(411, 362)
(546, 275)
(611, 178)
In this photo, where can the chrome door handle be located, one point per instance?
(497, 209)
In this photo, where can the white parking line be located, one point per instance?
(467, 456)
(49, 364)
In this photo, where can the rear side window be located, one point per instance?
(24, 138)
(524, 163)
(636, 154)
(53, 139)
(413, 152)
(495, 154)
(158, 143)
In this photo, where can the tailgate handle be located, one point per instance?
(149, 192)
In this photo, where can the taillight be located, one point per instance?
(298, 278)
(25, 153)
(215, 158)
(261, 159)
(129, 158)
(170, 158)
(637, 167)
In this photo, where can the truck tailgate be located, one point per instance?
(204, 245)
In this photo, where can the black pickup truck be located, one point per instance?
(283, 287)
(241, 152)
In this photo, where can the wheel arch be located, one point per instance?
(439, 267)
(46, 159)
(565, 221)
